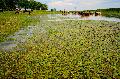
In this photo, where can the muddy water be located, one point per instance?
(24, 34)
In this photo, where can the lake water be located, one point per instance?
(24, 34)
(60, 17)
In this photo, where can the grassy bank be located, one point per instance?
(67, 49)
(111, 13)
(11, 22)
(46, 12)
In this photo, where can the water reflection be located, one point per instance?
(61, 17)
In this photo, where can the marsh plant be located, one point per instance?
(66, 49)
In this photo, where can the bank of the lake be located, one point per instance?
(111, 13)
(66, 49)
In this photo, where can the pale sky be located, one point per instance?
(81, 4)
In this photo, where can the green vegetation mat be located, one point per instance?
(67, 49)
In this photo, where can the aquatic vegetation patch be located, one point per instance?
(69, 49)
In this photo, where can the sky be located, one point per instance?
(81, 4)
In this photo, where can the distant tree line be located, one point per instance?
(13, 4)
(104, 10)
(110, 9)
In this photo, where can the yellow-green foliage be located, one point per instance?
(69, 49)
(11, 22)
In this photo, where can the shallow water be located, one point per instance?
(19, 37)
(60, 17)
(24, 34)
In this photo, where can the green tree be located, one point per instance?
(8, 4)
(23, 4)
(44, 7)
(11, 4)
(1, 4)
